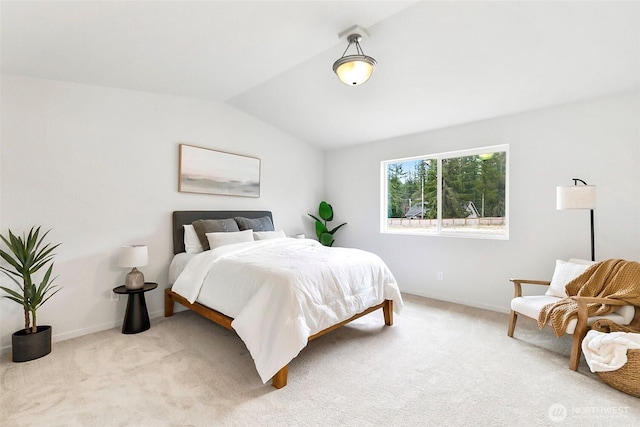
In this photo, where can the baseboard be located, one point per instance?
(475, 304)
(86, 331)
(160, 313)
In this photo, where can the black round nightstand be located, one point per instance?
(136, 318)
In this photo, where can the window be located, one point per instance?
(462, 193)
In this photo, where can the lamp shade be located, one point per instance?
(576, 197)
(354, 70)
(133, 256)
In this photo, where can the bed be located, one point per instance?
(277, 293)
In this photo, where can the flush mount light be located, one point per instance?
(354, 70)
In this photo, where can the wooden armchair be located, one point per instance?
(530, 306)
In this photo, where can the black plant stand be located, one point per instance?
(136, 318)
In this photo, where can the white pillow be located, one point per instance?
(192, 244)
(581, 261)
(227, 238)
(563, 274)
(265, 235)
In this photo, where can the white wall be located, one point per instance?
(99, 166)
(597, 141)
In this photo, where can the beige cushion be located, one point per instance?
(530, 306)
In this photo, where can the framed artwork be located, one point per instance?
(203, 170)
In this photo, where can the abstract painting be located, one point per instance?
(203, 170)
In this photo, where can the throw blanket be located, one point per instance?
(614, 278)
(606, 352)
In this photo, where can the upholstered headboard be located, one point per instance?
(181, 218)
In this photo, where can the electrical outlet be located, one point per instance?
(440, 275)
(115, 297)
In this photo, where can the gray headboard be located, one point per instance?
(181, 218)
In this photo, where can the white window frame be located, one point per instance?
(384, 197)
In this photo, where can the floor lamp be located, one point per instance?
(578, 197)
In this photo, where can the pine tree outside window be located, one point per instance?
(461, 193)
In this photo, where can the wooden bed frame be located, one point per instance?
(180, 218)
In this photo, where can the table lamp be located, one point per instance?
(134, 256)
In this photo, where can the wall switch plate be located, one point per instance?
(440, 275)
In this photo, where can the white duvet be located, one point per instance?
(282, 291)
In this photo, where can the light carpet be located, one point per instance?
(440, 364)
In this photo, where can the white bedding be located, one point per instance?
(178, 263)
(282, 291)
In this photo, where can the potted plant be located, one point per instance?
(325, 236)
(26, 256)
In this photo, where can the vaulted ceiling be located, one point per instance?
(440, 63)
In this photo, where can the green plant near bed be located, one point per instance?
(27, 255)
(325, 212)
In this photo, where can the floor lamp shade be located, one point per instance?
(579, 197)
(134, 256)
(576, 197)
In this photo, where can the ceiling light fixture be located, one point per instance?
(354, 70)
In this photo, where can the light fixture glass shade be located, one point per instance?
(576, 197)
(354, 70)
